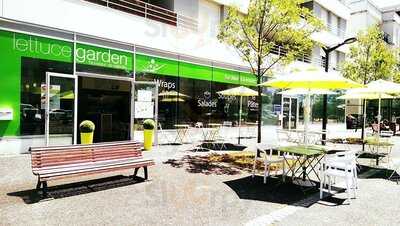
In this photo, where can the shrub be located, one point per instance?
(149, 124)
(86, 126)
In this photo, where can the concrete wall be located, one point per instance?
(188, 8)
(1, 7)
(209, 18)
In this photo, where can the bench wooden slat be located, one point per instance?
(95, 172)
(83, 170)
(42, 170)
(83, 146)
(83, 151)
(80, 159)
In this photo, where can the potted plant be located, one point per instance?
(87, 129)
(148, 126)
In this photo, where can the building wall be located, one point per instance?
(188, 8)
(209, 18)
(115, 25)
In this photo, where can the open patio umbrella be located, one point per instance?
(379, 89)
(300, 91)
(240, 91)
(172, 93)
(173, 99)
(311, 79)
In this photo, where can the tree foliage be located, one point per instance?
(371, 58)
(268, 24)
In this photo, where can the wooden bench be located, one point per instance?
(60, 162)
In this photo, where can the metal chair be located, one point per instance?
(339, 165)
(164, 135)
(268, 160)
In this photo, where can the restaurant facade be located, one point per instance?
(49, 84)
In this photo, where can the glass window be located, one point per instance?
(165, 73)
(33, 81)
(168, 97)
(199, 105)
(227, 106)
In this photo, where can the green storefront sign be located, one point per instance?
(102, 57)
(14, 46)
(156, 65)
(161, 66)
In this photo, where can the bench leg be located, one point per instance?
(136, 171)
(146, 175)
(44, 189)
(39, 183)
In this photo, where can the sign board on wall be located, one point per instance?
(144, 109)
(144, 95)
(6, 114)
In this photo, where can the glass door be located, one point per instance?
(60, 109)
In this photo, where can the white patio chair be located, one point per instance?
(283, 136)
(164, 136)
(395, 166)
(268, 159)
(339, 165)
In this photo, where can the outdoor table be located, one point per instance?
(209, 134)
(214, 125)
(181, 132)
(313, 136)
(307, 156)
(375, 145)
(251, 123)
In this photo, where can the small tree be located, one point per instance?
(371, 58)
(269, 24)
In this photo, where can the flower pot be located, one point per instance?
(87, 138)
(148, 139)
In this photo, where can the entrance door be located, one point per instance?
(60, 109)
(106, 101)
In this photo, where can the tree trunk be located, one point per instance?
(259, 113)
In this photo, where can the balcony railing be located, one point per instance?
(336, 30)
(306, 58)
(149, 11)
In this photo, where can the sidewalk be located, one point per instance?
(188, 192)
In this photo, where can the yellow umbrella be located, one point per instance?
(173, 99)
(68, 95)
(311, 79)
(378, 89)
(172, 93)
(240, 91)
(300, 91)
(364, 96)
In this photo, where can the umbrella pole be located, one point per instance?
(240, 117)
(307, 116)
(379, 116)
(364, 118)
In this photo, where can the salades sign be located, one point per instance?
(60, 50)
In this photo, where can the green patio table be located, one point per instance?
(306, 156)
(375, 145)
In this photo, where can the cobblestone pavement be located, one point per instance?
(182, 193)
